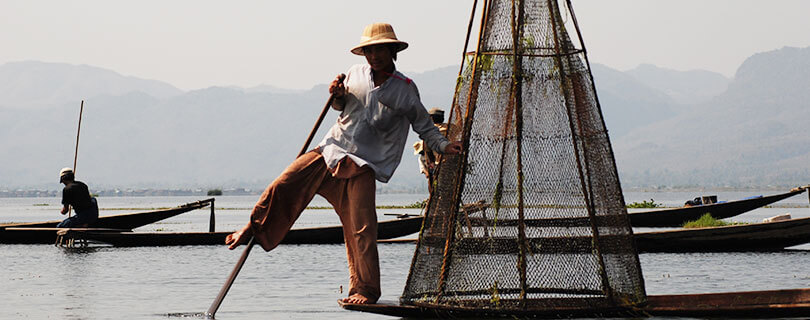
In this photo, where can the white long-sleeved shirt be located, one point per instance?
(373, 127)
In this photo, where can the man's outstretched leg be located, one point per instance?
(282, 202)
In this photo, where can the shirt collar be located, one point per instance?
(394, 74)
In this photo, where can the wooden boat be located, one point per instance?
(766, 236)
(749, 304)
(751, 237)
(38, 232)
(676, 217)
(746, 237)
(317, 235)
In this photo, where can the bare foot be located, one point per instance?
(242, 236)
(357, 299)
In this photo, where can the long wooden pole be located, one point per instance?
(78, 131)
(517, 100)
(212, 310)
(76, 152)
(472, 98)
(577, 136)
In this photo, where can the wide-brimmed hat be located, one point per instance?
(378, 33)
(436, 111)
(64, 172)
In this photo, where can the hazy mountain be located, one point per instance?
(776, 76)
(269, 89)
(752, 134)
(31, 84)
(627, 103)
(218, 136)
(436, 87)
(143, 133)
(684, 87)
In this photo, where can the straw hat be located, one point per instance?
(378, 33)
(436, 111)
(64, 172)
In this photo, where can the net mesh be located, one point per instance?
(531, 215)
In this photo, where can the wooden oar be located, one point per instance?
(78, 131)
(212, 310)
(76, 153)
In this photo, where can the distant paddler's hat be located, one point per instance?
(436, 111)
(378, 33)
(437, 115)
(418, 147)
(65, 172)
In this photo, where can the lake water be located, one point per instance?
(300, 281)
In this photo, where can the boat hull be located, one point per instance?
(752, 237)
(317, 235)
(750, 304)
(35, 232)
(676, 217)
(765, 236)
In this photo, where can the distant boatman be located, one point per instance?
(377, 105)
(76, 195)
(429, 159)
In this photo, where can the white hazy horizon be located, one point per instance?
(297, 44)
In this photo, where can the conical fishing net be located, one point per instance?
(531, 216)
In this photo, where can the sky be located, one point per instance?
(299, 44)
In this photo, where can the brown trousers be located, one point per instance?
(350, 190)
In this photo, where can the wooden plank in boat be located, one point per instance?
(771, 303)
(316, 235)
(747, 304)
(391, 308)
(121, 221)
(67, 229)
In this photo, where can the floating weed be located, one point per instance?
(708, 221)
(415, 205)
(645, 204)
(186, 315)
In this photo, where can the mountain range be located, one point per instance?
(751, 134)
(668, 128)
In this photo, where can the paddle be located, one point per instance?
(212, 310)
(78, 131)
(76, 153)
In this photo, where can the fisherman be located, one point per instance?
(429, 159)
(76, 195)
(377, 104)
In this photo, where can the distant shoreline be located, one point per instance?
(33, 193)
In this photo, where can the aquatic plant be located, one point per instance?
(645, 204)
(415, 205)
(708, 221)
